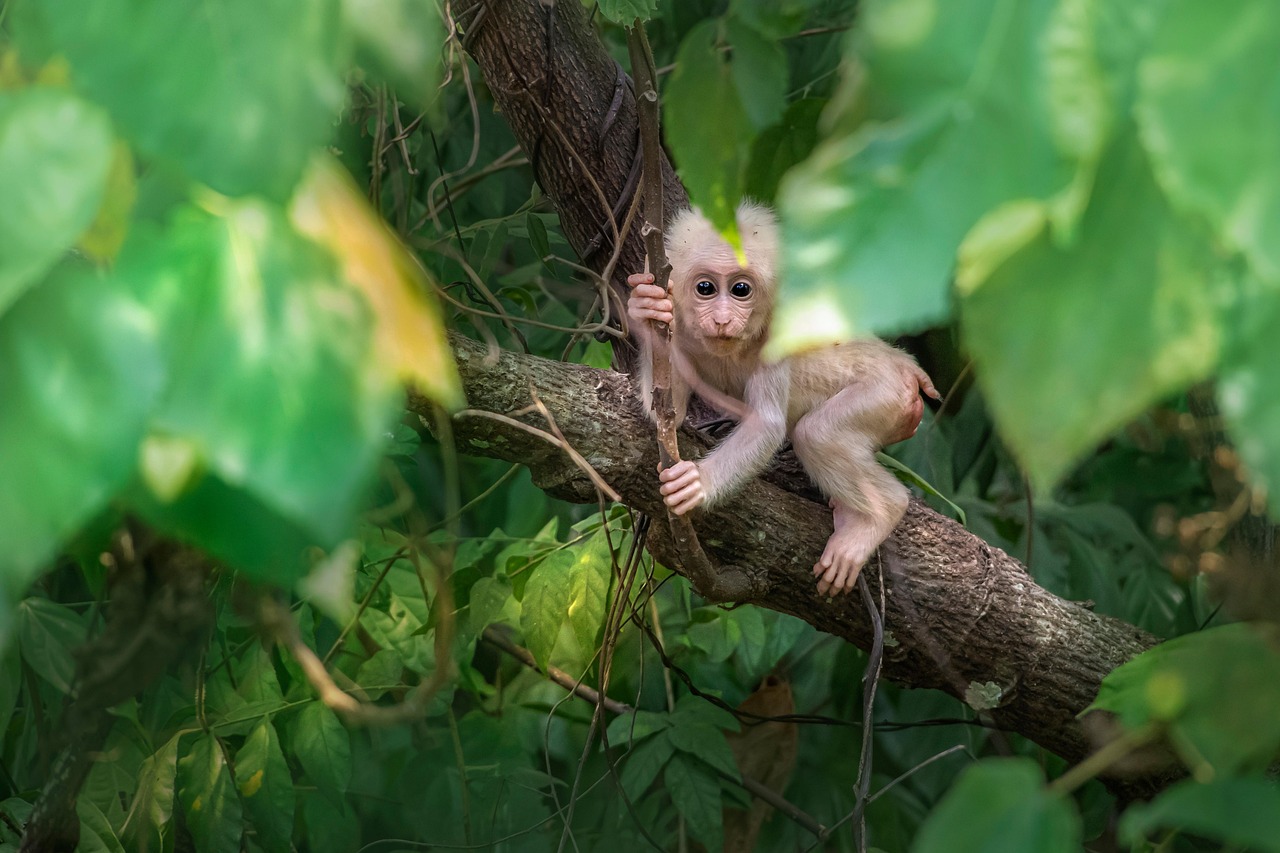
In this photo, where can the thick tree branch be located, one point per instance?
(961, 612)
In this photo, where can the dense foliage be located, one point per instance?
(231, 233)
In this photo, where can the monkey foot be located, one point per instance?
(850, 546)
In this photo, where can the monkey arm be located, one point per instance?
(748, 449)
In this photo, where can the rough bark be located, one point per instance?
(962, 613)
(572, 108)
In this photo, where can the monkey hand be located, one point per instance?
(648, 301)
(682, 488)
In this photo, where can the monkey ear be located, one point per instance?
(758, 226)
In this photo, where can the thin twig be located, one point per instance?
(577, 457)
(715, 584)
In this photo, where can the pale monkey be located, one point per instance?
(838, 403)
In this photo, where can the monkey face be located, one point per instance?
(722, 303)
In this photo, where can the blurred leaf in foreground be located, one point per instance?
(1071, 343)
(873, 219)
(1216, 690)
(55, 156)
(409, 336)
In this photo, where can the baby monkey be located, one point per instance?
(839, 403)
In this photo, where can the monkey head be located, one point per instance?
(720, 303)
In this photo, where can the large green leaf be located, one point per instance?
(1244, 812)
(1216, 690)
(273, 389)
(1209, 111)
(696, 795)
(152, 806)
(1071, 343)
(759, 71)
(266, 786)
(55, 155)
(589, 591)
(323, 748)
(209, 797)
(79, 371)
(237, 93)
(958, 125)
(47, 632)
(643, 765)
(707, 125)
(1000, 806)
(545, 605)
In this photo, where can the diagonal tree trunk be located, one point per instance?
(964, 616)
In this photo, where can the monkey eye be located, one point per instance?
(705, 288)
(741, 289)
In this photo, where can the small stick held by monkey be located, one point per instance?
(839, 403)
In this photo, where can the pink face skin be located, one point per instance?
(722, 304)
(725, 304)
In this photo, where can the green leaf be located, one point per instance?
(79, 370)
(1249, 389)
(1217, 690)
(493, 602)
(380, 673)
(782, 146)
(1238, 812)
(643, 765)
(329, 829)
(1000, 806)
(152, 806)
(1092, 54)
(589, 591)
(96, 832)
(47, 632)
(266, 786)
(707, 126)
(209, 797)
(1210, 116)
(165, 69)
(626, 11)
(545, 605)
(759, 69)
(323, 748)
(696, 795)
(705, 742)
(272, 380)
(55, 156)
(1125, 316)
(957, 127)
(401, 41)
(632, 728)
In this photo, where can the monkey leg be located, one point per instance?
(836, 444)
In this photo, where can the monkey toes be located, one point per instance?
(848, 549)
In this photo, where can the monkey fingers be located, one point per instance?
(682, 488)
(650, 302)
